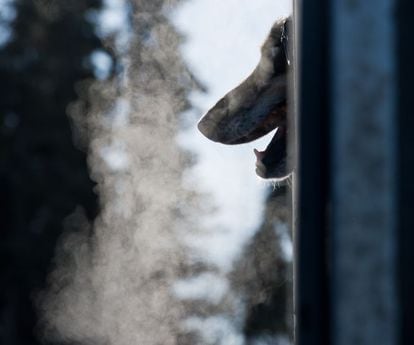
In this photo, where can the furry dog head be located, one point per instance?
(257, 106)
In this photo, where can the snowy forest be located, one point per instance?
(107, 236)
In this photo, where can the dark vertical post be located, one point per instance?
(311, 175)
(363, 110)
(405, 51)
(353, 93)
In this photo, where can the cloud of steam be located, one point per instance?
(152, 269)
(112, 281)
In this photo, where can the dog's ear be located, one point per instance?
(243, 114)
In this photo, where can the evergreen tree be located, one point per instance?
(43, 177)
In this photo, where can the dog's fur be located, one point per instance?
(257, 106)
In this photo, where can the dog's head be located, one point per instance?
(256, 107)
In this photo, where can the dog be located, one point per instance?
(257, 106)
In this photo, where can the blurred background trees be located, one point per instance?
(43, 176)
(46, 65)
